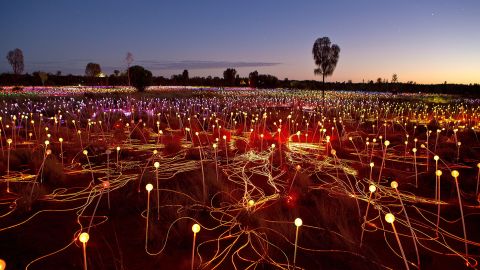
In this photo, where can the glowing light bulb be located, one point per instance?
(149, 187)
(156, 165)
(438, 173)
(394, 184)
(387, 143)
(436, 158)
(372, 188)
(455, 173)
(118, 148)
(9, 141)
(3, 264)
(85, 152)
(390, 218)
(298, 222)
(60, 139)
(84, 237)
(195, 228)
(251, 203)
(371, 164)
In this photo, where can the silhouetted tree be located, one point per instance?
(116, 72)
(253, 79)
(326, 57)
(229, 76)
(185, 77)
(140, 77)
(129, 60)
(92, 70)
(15, 59)
(394, 78)
(58, 73)
(267, 81)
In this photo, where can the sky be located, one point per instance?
(428, 41)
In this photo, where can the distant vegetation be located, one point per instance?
(140, 78)
(325, 60)
(254, 80)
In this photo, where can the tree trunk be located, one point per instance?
(128, 75)
(323, 92)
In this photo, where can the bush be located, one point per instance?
(140, 78)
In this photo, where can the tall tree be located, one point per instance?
(185, 77)
(92, 70)
(15, 59)
(326, 57)
(129, 60)
(229, 76)
(253, 79)
(394, 82)
(141, 78)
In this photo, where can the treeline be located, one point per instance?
(233, 80)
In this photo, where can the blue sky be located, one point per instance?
(424, 41)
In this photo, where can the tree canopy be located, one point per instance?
(229, 76)
(92, 70)
(15, 59)
(140, 77)
(326, 56)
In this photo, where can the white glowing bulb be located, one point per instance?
(84, 237)
(195, 228)
(298, 222)
(390, 218)
(394, 184)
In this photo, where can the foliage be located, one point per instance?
(253, 79)
(140, 78)
(92, 70)
(326, 56)
(229, 76)
(15, 59)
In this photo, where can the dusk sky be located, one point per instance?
(423, 41)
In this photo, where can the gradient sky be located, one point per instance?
(428, 41)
